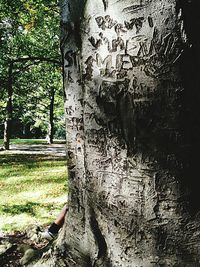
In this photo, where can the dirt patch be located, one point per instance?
(13, 248)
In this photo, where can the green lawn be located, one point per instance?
(33, 189)
(31, 141)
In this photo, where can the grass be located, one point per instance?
(19, 141)
(33, 190)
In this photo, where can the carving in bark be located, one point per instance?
(129, 98)
(50, 133)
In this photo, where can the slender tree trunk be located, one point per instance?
(130, 97)
(9, 109)
(51, 117)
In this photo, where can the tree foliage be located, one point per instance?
(29, 39)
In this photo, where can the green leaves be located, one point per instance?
(29, 30)
(29, 27)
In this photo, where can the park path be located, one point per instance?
(55, 150)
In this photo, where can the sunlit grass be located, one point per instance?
(33, 190)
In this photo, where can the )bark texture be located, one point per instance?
(131, 85)
(51, 117)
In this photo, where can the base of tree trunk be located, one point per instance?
(132, 110)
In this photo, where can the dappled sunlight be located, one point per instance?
(40, 192)
(16, 178)
(48, 212)
(31, 195)
(19, 218)
(11, 223)
(60, 200)
(42, 196)
(33, 190)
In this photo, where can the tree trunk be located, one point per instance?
(51, 117)
(9, 109)
(132, 113)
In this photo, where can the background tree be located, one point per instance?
(39, 103)
(26, 39)
(131, 84)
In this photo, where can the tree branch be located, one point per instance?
(18, 60)
(25, 67)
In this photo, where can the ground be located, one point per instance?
(13, 248)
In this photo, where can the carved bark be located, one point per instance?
(131, 84)
(51, 117)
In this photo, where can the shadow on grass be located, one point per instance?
(28, 159)
(29, 208)
(26, 165)
(19, 141)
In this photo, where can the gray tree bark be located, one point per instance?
(131, 85)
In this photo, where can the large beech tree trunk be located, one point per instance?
(132, 101)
